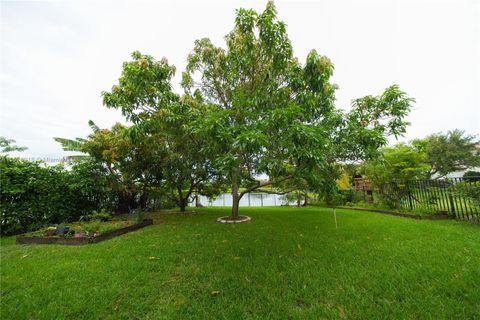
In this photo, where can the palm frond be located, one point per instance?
(92, 125)
(70, 144)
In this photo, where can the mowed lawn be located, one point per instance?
(288, 263)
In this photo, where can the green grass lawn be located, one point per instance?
(287, 264)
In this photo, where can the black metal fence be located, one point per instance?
(459, 197)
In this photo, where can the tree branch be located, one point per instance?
(277, 192)
(261, 185)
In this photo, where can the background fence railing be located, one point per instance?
(254, 199)
(459, 197)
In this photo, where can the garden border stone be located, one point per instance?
(226, 220)
(81, 241)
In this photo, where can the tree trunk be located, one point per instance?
(182, 208)
(198, 204)
(182, 203)
(126, 202)
(235, 196)
(235, 206)
(143, 201)
(299, 201)
(306, 201)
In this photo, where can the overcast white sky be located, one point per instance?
(57, 56)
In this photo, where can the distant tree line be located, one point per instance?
(433, 157)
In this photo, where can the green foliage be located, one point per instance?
(138, 215)
(98, 226)
(70, 144)
(33, 194)
(270, 114)
(164, 120)
(7, 145)
(334, 198)
(128, 162)
(450, 152)
(470, 189)
(391, 172)
(472, 176)
(91, 179)
(248, 109)
(399, 164)
(143, 87)
(438, 155)
(186, 166)
(90, 228)
(100, 215)
(371, 120)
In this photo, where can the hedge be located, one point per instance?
(33, 194)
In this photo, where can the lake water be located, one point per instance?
(257, 199)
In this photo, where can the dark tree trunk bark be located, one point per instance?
(126, 202)
(235, 196)
(305, 203)
(198, 204)
(182, 203)
(299, 201)
(182, 208)
(235, 206)
(143, 201)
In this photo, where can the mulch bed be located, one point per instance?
(85, 240)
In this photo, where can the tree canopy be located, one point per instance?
(144, 95)
(450, 152)
(248, 109)
(272, 115)
(435, 156)
(398, 164)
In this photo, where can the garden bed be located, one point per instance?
(94, 238)
(440, 216)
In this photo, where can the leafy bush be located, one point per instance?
(33, 194)
(138, 214)
(157, 201)
(101, 215)
(472, 176)
(91, 180)
(469, 189)
(89, 228)
(332, 198)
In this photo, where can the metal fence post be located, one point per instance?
(409, 193)
(452, 203)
